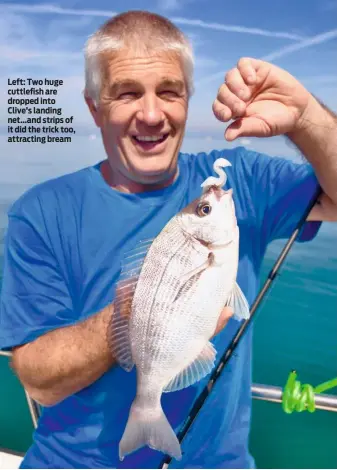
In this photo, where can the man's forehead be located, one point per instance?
(160, 80)
(126, 66)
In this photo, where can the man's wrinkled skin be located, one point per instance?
(143, 96)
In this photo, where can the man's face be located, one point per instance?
(142, 115)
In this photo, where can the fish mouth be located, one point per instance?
(216, 190)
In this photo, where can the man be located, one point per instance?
(66, 239)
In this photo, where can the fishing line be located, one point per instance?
(242, 329)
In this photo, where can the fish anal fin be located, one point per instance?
(238, 303)
(197, 370)
(118, 331)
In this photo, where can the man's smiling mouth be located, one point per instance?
(149, 142)
(150, 138)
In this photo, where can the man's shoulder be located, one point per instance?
(44, 195)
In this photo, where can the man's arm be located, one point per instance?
(264, 100)
(55, 352)
(66, 360)
(316, 138)
(325, 210)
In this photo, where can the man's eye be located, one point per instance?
(169, 93)
(128, 94)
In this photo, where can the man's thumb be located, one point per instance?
(225, 315)
(246, 127)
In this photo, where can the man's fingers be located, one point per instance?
(221, 112)
(227, 106)
(232, 101)
(247, 127)
(248, 67)
(236, 84)
(225, 315)
(234, 95)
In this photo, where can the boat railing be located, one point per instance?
(259, 392)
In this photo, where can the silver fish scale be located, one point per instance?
(160, 328)
(174, 308)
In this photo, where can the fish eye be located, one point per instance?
(203, 208)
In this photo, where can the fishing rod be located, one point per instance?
(242, 329)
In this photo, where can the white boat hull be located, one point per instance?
(8, 460)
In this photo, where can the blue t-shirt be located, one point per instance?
(64, 244)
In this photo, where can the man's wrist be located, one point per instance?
(315, 115)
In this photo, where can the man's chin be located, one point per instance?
(160, 176)
(156, 177)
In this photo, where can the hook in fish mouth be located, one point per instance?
(216, 190)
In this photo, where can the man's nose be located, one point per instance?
(150, 111)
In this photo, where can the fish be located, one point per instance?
(169, 297)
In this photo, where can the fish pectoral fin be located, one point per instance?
(189, 279)
(194, 272)
(118, 332)
(197, 370)
(238, 303)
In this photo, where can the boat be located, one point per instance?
(11, 458)
(294, 331)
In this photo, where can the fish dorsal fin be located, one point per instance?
(119, 337)
(198, 369)
(238, 303)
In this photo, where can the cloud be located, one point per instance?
(331, 5)
(203, 62)
(319, 39)
(51, 51)
(236, 29)
(14, 54)
(319, 80)
(54, 46)
(198, 23)
(282, 52)
(45, 8)
(245, 141)
(169, 5)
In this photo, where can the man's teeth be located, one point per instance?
(149, 138)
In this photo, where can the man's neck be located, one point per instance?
(118, 181)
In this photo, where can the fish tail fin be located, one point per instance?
(149, 427)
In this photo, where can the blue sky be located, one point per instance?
(46, 40)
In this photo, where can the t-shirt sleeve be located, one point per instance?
(281, 191)
(34, 298)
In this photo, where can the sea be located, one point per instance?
(295, 328)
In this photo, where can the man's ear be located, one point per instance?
(93, 110)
